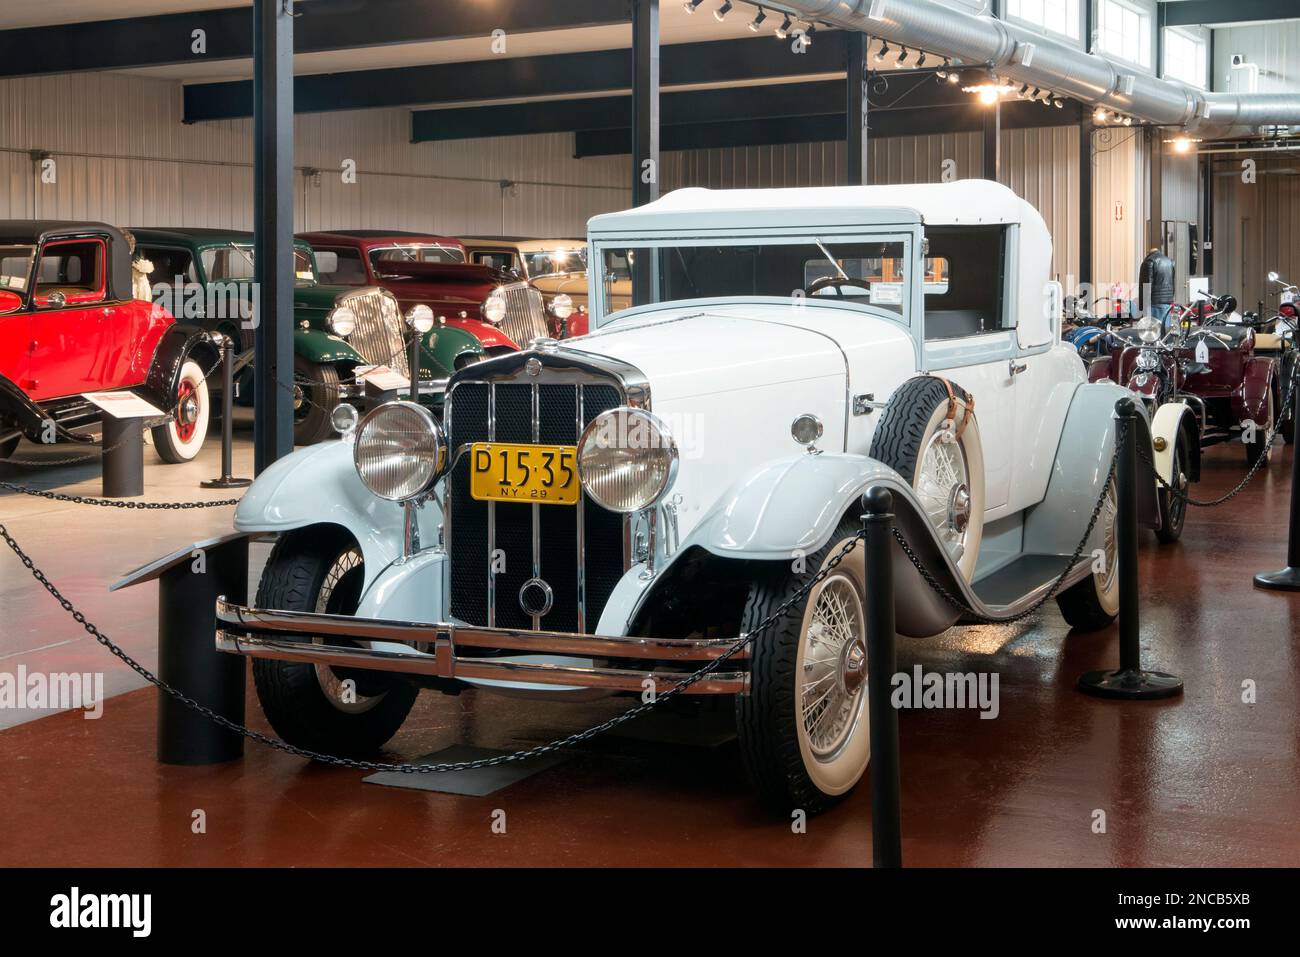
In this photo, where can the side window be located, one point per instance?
(168, 264)
(340, 266)
(495, 260)
(75, 269)
(965, 282)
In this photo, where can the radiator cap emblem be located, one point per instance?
(533, 367)
(536, 597)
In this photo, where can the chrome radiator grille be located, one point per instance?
(525, 314)
(577, 550)
(378, 335)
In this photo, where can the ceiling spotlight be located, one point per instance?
(942, 72)
(1128, 121)
(783, 30)
(808, 35)
(920, 60)
(902, 56)
(690, 6)
(722, 11)
(953, 77)
(1099, 115)
(1182, 144)
(1059, 103)
(1023, 91)
(882, 52)
(757, 23)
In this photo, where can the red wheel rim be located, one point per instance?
(186, 393)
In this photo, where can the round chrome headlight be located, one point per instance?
(494, 310)
(627, 460)
(1148, 360)
(342, 321)
(400, 451)
(420, 318)
(1148, 329)
(562, 306)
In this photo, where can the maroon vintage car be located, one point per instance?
(69, 325)
(1207, 361)
(502, 311)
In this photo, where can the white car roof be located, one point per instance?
(964, 202)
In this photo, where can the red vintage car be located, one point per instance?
(502, 311)
(69, 325)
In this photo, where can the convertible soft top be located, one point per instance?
(34, 231)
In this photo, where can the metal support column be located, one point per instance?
(1086, 213)
(273, 230)
(1156, 178)
(856, 49)
(645, 127)
(993, 142)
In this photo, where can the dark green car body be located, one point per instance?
(206, 276)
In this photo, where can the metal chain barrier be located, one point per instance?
(115, 503)
(359, 765)
(966, 610)
(1287, 410)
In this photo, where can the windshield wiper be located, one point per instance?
(830, 259)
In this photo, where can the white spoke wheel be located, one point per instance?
(181, 438)
(1093, 603)
(804, 728)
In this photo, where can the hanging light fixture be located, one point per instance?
(920, 60)
(882, 52)
(942, 72)
(757, 23)
(783, 31)
(1099, 115)
(808, 34)
(722, 11)
(990, 91)
(690, 6)
(902, 56)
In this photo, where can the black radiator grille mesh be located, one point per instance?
(473, 523)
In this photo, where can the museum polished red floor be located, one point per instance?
(1202, 780)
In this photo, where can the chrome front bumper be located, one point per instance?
(434, 651)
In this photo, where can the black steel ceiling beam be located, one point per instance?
(1186, 13)
(826, 128)
(809, 98)
(716, 61)
(319, 25)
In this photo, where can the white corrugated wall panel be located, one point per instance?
(123, 155)
(1118, 205)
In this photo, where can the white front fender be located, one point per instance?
(318, 485)
(1175, 421)
(792, 505)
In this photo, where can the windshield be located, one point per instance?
(16, 267)
(556, 262)
(416, 253)
(234, 262)
(872, 272)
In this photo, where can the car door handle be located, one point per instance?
(1015, 368)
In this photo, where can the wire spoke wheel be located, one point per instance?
(943, 486)
(834, 666)
(338, 596)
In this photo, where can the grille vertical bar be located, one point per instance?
(525, 314)
(378, 334)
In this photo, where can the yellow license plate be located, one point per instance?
(534, 474)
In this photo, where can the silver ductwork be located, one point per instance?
(1020, 54)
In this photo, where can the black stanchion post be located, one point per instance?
(1288, 579)
(123, 465)
(227, 421)
(878, 562)
(1130, 681)
(188, 660)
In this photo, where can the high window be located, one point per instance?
(1124, 31)
(1185, 57)
(1055, 16)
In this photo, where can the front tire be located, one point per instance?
(1173, 507)
(804, 729)
(315, 394)
(180, 439)
(310, 706)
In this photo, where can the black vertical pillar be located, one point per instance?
(856, 48)
(273, 229)
(1086, 214)
(1155, 204)
(993, 141)
(645, 128)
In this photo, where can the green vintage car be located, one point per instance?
(205, 276)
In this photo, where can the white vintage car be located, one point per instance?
(611, 512)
